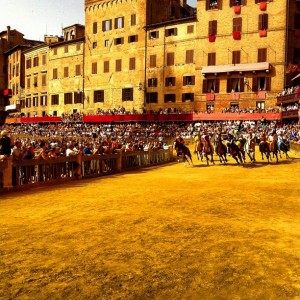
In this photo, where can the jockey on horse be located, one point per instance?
(198, 146)
(208, 148)
(264, 146)
(182, 149)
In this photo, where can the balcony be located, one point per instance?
(210, 96)
(290, 98)
(237, 9)
(290, 114)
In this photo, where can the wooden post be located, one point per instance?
(7, 174)
(119, 161)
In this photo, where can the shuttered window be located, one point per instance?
(118, 65)
(77, 70)
(106, 66)
(237, 25)
(188, 80)
(189, 57)
(152, 82)
(95, 27)
(261, 84)
(170, 59)
(94, 68)
(127, 94)
(133, 20)
(190, 29)
(235, 85)
(68, 99)
(152, 61)
(99, 96)
(212, 27)
(54, 74)
(236, 57)
(152, 97)
(44, 80)
(106, 25)
(54, 99)
(210, 85)
(187, 97)
(119, 23)
(66, 71)
(170, 81)
(211, 59)
(262, 55)
(132, 63)
(263, 21)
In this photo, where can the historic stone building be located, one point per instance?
(154, 55)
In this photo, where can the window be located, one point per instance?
(152, 61)
(132, 38)
(78, 46)
(210, 86)
(169, 98)
(153, 35)
(28, 63)
(66, 49)
(44, 79)
(187, 97)
(170, 59)
(263, 22)
(171, 31)
(68, 98)
(118, 65)
(66, 71)
(190, 29)
(297, 21)
(106, 66)
(35, 81)
(189, 56)
(235, 85)
(94, 45)
(119, 22)
(44, 59)
(261, 84)
(127, 94)
(35, 101)
(119, 41)
(236, 57)
(106, 43)
(28, 102)
(133, 20)
(262, 55)
(77, 70)
(95, 27)
(35, 61)
(54, 99)
(152, 97)
(28, 82)
(55, 51)
(94, 68)
(54, 74)
(43, 100)
(260, 104)
(188, 80)
(213, 4)
(211, 59)
(236, 2)
(99, 96)
(152, 82)
(78, 97)
(237, 25)
(132, 63)
(170, 81)
(212, 27)
(106, 25)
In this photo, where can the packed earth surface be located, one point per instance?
(165, 232)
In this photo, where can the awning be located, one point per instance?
(296, 77)
(262, 66)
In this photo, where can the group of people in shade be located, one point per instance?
(49, 141)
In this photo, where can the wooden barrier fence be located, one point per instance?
(23, 174)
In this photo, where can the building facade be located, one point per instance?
(159, 55)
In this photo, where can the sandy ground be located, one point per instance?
(217, 232)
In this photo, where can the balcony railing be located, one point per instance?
(290, 98)
(290, 114)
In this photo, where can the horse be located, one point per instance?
(236, 152)
(221, 150)
(183, 150)
(274, 148)
(284, 147)
(249, 148)
(208, 149)
(199, 149)
(264, 148)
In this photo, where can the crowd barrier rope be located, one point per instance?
(23, 174)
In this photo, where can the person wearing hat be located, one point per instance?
(5, 145)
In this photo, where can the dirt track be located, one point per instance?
(218, 232)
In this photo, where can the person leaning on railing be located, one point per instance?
(5, 145)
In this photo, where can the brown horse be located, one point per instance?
(236, 152)
(221, 150)
(274, 149)
(183, 150)
(264, 148)
(199, 149)
(208, 149)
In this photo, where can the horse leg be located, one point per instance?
(236, 159)
(207, 160)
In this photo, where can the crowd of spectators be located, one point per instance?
(236, 109)
(289, 90)
(53, 140)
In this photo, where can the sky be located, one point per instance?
(36, 18)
